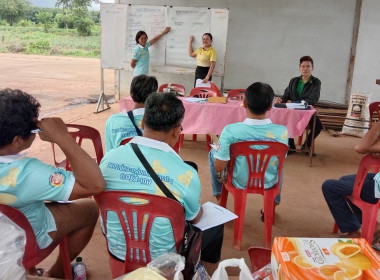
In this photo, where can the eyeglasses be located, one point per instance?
(34, 131)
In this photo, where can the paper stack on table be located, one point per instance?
(214, 215)
(195, 100)
(297, 105)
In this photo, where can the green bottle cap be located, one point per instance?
(79, 259)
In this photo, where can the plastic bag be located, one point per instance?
(201, 273)
(357, 118)
(12, 247)
(263, 273)
(221, 273)
(169, 265)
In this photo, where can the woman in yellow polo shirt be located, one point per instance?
(206, 58)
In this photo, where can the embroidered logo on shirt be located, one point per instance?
(57, 179)
(11, 178)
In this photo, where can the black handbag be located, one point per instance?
(192, 238)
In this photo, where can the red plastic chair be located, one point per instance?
(176, 147)
(257, 160)
(203, 92)
(80, 132)
(33, 254)
(237, 94)
(215, 88)
(369, 211)
(374, 107)
(259, 257)
(176, 87)
(143, 214)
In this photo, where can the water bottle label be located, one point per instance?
(79, 272)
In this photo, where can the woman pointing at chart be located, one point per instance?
(140, 55)
(206, 58)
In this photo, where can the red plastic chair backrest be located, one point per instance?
(141, 215)
(238, 94)
(259, 256)
(79, 133)
(258, 154)
(176, 147)
(176, 87)
(367, 163)
(374, 107)
(215, 88)
(33, 254)
(203, 92)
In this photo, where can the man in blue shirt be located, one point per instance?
(258, 100)
(119, 126)
(26, 183)
(122, 169)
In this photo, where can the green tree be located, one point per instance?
(11, 10)
(73, 4)
(46, 19)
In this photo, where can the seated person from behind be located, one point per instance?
(305, 87)
(119, 126)
(348, 217)
(164, 113)
(258, 100)
(26, 183)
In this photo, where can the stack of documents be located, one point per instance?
(297, 105)
(195, 100)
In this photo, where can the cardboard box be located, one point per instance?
(217, 99)
(324, 258)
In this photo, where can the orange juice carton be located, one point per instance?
(296, 258)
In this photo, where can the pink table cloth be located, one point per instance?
(202, 118)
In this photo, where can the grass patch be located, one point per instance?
(60, 42)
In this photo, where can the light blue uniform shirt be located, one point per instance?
(25, 183)
(250, 130)
(119, 127)
(122, 170)
(141, 54)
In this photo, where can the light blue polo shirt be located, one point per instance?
(25, 183)
(141, 54)
(250, 130)
(119, 127)
(122, 170)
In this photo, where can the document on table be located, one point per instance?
(297, 105)
(214, 215)
(195, 100)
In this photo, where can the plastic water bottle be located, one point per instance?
(79, 269)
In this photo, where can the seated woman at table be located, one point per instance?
(305, 87)
(206, 58)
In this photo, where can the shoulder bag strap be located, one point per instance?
(151, 172)
(132, 118)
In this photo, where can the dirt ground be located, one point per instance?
(58, 81)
